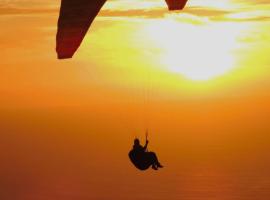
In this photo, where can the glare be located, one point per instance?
(196, 49)
(221, 4)
(160, 4)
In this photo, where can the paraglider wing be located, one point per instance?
(74, 21)
(176, 4)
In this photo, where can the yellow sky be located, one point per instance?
(208, 49)
(198, 79)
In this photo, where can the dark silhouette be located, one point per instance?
(176, 4)
(141, 158)
(74, 21)
(75, 18)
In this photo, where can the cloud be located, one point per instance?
(157, 13)
(16, 7)
(257, 2)
(245, 11)
(26, 11)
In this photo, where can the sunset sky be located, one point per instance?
(198, 79)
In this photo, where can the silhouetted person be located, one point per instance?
(143, 159)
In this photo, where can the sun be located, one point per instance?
(194, 48)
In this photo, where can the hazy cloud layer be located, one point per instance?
(241, 11)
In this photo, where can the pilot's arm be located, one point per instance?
(146, 144)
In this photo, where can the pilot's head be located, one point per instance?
(136, 141)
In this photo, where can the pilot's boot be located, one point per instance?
(154, 167)
(159, 165)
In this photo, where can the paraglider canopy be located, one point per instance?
(76, 16)
(74, 21)
(176, 4)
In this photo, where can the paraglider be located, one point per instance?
(141, 158)
(75, 18)
(176, 4)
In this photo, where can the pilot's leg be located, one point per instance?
(154, 160)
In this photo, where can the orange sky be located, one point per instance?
(199, 80)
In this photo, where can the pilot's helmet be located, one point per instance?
(136, 141)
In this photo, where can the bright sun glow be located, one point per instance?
(198, 50)
(154, 4)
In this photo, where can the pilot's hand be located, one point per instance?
(147, 141)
